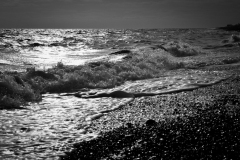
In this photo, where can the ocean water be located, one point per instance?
(49, 128)
(44, 48)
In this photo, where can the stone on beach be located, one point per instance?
(151, 123)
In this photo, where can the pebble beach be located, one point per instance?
(199, 124)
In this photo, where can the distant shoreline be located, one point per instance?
(231, 27)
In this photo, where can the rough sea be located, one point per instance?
(49, 128)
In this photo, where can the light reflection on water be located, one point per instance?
(48, 128)
(54, 55)
(46, 47)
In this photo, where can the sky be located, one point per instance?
(118, 13)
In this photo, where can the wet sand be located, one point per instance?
(203, 123)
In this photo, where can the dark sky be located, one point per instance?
(118, 13)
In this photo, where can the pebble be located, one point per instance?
(151, 123)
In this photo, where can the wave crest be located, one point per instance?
(179, 49)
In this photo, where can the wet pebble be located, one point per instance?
(151, 123)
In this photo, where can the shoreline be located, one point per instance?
(143, 61)
(21, 88)
(174, 63)
(172, 119)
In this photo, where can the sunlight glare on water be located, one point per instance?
(46, 47)
(48, 128)
(54, 55)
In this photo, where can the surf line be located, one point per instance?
(124, 94)
(132, 96)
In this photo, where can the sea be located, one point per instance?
(49, 128)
